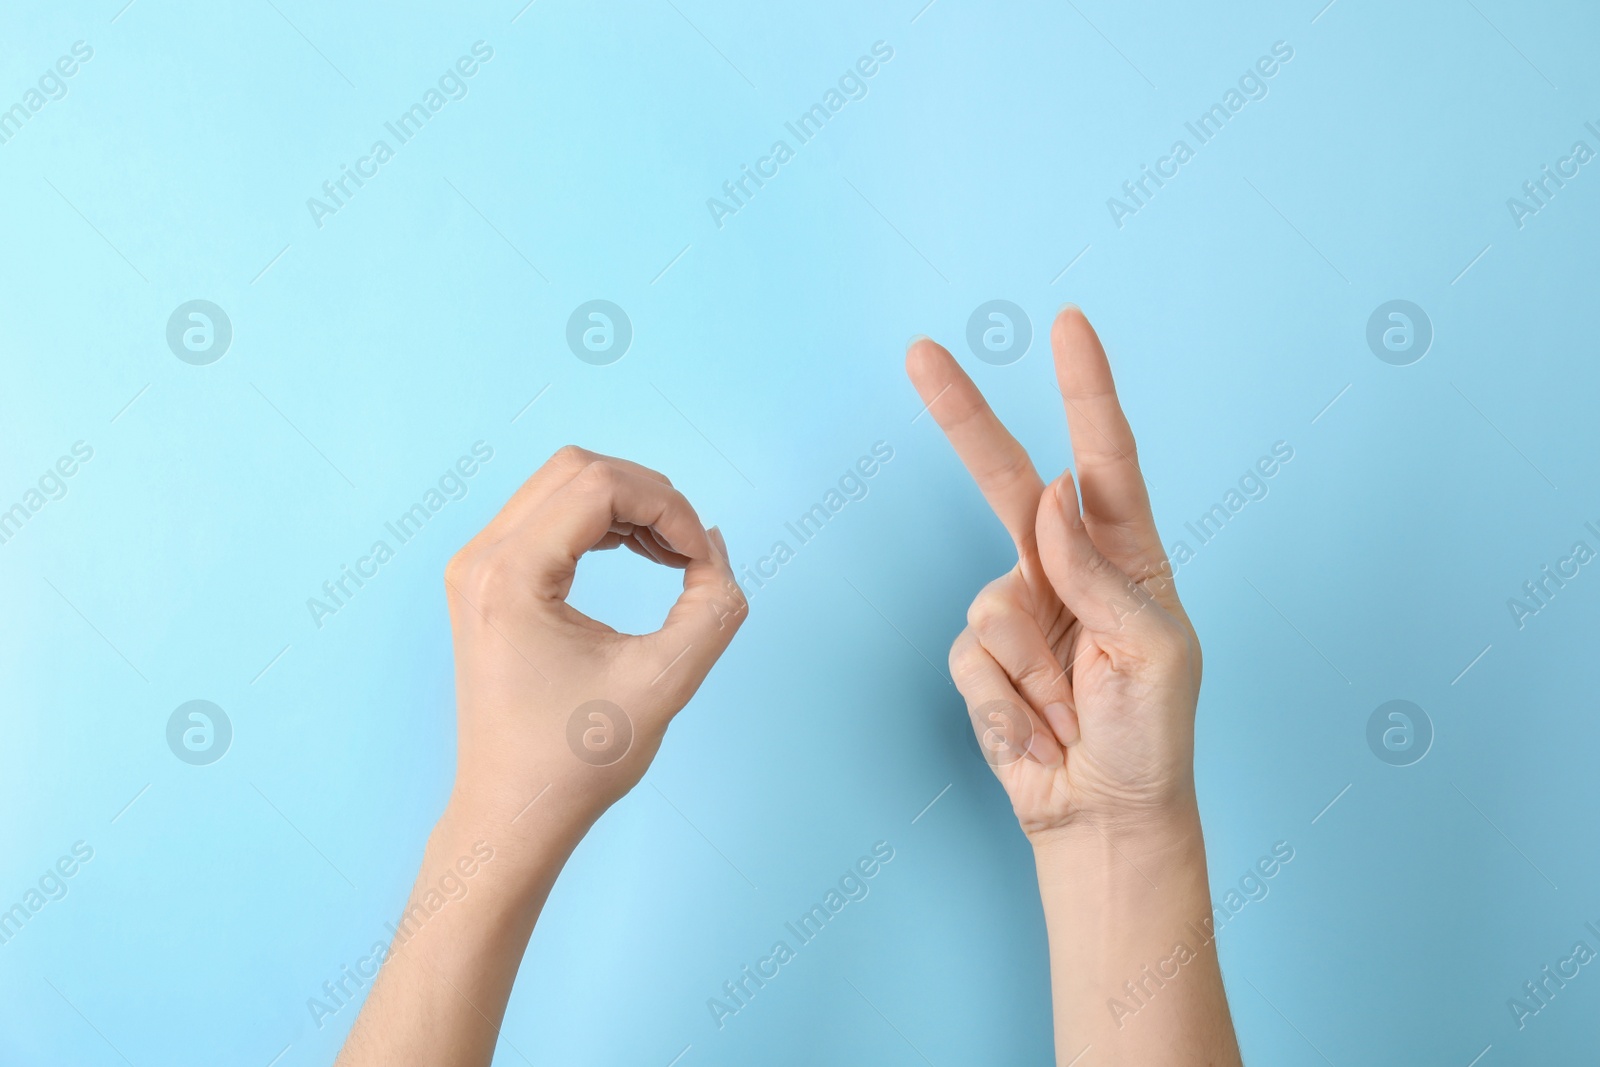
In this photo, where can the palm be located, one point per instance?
(1111, 764)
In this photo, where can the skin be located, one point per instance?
(526, 663)
(1081, 672)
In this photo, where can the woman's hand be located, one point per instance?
(548, 700)
(1079, 667)
(1081, 673)
(558, 715)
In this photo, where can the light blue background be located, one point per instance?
(370, 353)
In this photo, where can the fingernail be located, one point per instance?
(1039, 749)
(1069, 306)
(1058, 713)
(721, 545)
(917, 337)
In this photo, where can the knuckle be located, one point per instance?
(1038, 677)
(485, 581)
(1100, 567)
(988, 609)
(458, 567)
(598, 474)
(966, 658)
(984, 613)
(572, 457)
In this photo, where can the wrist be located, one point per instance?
(1170, 837)
(530, 841)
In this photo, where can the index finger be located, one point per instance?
(601, 499)
(995, 459)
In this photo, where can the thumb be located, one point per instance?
(1104, 599)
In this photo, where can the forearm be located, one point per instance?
(442, 990)
(1133, 964)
